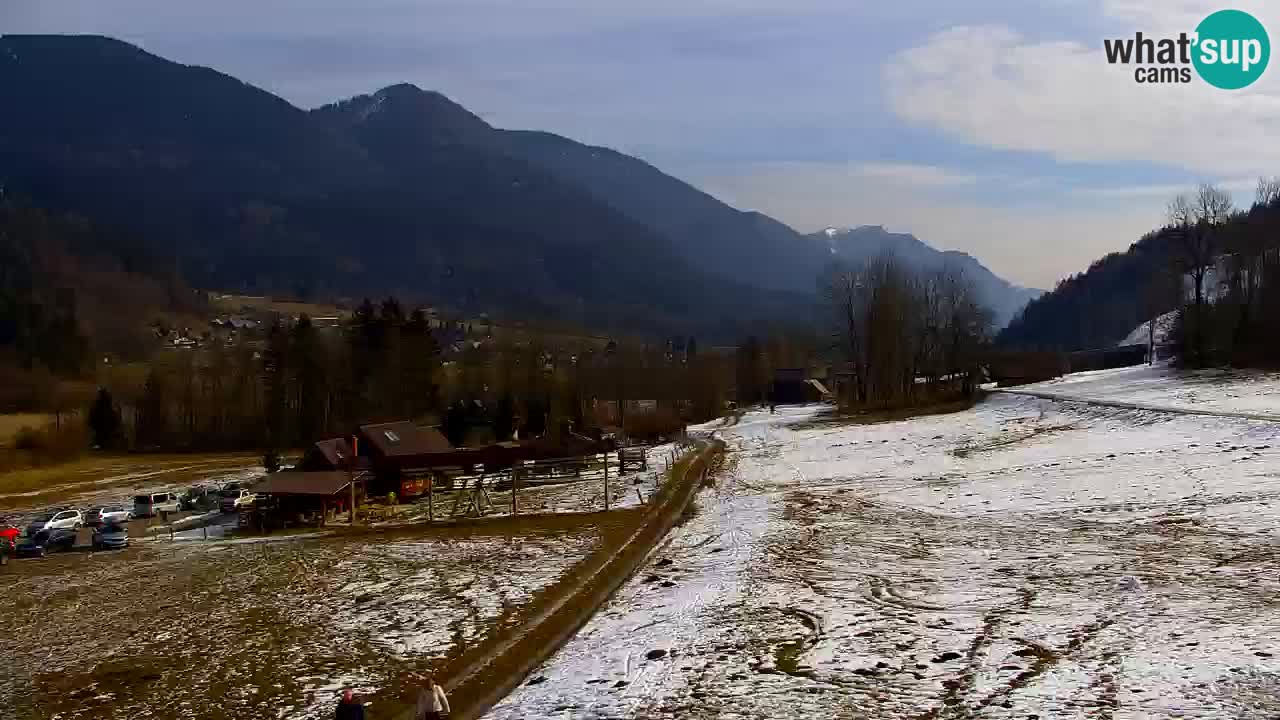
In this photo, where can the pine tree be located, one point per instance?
(307, 381)
(455, 423)
(153, 421)
(504, 418)
(275, 363)
(104, 421)
(420, 357)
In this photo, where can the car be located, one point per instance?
(233, 500)
(155, 503)
(45, 541)
(58, 520)
(107, 513)
(111, 536)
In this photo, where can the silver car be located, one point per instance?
(61, 520)
(111, 536)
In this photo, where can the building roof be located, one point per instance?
(818, 386)
(335, 450)
(304, 483)
(397, 439)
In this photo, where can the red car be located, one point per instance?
(8, 539)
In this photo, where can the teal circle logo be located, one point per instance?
(1231, 49)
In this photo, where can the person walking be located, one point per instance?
(349, 708)
(433, 704)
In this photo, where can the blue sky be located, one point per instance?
(990, 126)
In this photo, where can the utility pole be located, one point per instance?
(351, 478)
(515, 484)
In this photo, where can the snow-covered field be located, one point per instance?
(268, 627)
(1022, 559)
(1224, 391)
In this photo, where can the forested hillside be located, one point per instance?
(1218, 266)
(401, 192)
(1098, 307)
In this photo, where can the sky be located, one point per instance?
(990, 126)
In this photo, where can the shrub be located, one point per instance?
(28, 438)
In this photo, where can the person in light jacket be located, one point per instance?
(433, 704)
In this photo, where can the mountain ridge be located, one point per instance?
(857, 244)
(398, 190)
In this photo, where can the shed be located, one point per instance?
(298, 495)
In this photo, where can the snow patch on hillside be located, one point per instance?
(1140, 336)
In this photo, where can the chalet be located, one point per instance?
(401, 457)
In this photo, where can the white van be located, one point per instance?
(154, 503)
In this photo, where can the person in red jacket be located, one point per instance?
(349, 708)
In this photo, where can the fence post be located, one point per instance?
(515, 484)
(606, 481)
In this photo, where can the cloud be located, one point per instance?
(1241, 189)
(910, 175)
(995, 87)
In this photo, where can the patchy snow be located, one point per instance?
(270, 627)
(1023, 558)
(1225, 391)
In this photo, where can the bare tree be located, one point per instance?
(1268, 191)
(1197, 226)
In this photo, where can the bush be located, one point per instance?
(51, 444)
(661, 423)
(27, 438)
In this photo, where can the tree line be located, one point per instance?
(1225, 277)
(296, 383)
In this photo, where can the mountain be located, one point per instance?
(401, 191)
(855, 245)
(742, 245)
(398, 192)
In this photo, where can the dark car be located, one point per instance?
(46, 541)
(111, 536)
